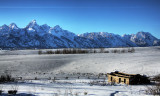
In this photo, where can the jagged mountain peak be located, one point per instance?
(13, 26)
(4, 26)
(125, 35)
(144, 39)
(33, 27)
(142, 33)
(33, 23)
(57, 28)
(45, 25)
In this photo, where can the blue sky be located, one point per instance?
(80, 16)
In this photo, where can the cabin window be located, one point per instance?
(111, 78)
(124, 80)
(119, 80)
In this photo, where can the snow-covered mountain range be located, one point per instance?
(44, 36)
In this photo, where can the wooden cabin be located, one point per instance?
(129, 79)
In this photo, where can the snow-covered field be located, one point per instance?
(28, 64)
(73, 88)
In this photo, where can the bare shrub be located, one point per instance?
(85, 93)
(12, 92)
(14, 89)
(115, 51)
(101, 50)
(1, 92)
(156, 78)
(66, 77)
(76, 94)
(57, 52)
(155, 89)
(106, 51)
(84, 51)
(39, 52)
(94, 51)
(68, 51)
(51, 52)
(1, 87)
(123, 51)
(131, 50)
(6, 78)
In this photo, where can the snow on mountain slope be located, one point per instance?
(33, 28)
(13, 26)
(144, 39)
(45, 28)
(44, 36)
(4, 29)
(105, 39)
(65, 36)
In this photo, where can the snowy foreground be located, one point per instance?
(79, 87)
(74, 72)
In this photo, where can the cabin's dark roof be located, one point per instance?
(120, 74)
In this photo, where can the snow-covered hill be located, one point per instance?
(44, 36)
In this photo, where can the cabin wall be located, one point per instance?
(117, 79)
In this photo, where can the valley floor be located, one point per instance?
(28, 64)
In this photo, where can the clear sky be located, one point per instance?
(80, 16)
